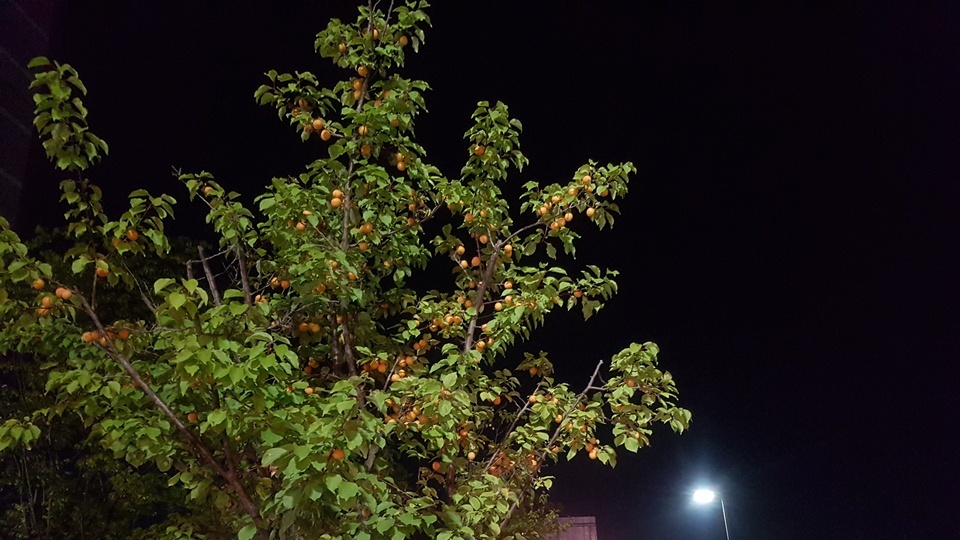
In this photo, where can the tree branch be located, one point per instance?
(553, 438)
(195, 443)
(244, 276)
(210, 281)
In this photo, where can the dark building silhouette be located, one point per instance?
(580, 528)
(26, 30)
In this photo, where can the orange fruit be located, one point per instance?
(533, 371)
(376, 33)
(593, 454)
(362, 131)
(337, 194)
(207, 190)
(471, 455)
(132, 235)
(39, 284)
(586, 179)
(533, 399)
(317, 124)
(337, 454)
(363, 71)
(403, 41)
(65, 293)
(192, 417)
(308, 390)
(342, 48)
(479, 150)
(366, 150)
(401, 166)
(46, 301)
(475, 261)
(590, 212)
(468, 217)
(498, 306)
(102, 272)
(325, 135)
(336, 202)
(436, 466)
(301, 226)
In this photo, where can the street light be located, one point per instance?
(706, 496)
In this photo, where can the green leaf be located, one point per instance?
(272, 455)
(247, 532)
(161, 284)
(176, 299)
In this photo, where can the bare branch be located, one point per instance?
(210, 280)
(244, 276)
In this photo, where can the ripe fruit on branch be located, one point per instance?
(342, 48)
(325, 135)
(103, 271)
(363, 71)
(64, 293)
(39, 284)
(590, 212)
(132, 235)
(479, 150)
(337, 454)
(317, 124)
(403, 41)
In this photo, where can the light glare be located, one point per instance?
(704, 496)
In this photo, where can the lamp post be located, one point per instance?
(706, 496)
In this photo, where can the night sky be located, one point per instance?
(791, 239)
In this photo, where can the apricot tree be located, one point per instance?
(291, 378)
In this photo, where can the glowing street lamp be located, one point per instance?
(707, 496)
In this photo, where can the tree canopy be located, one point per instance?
(289, 378)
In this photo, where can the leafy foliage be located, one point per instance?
(294, 380)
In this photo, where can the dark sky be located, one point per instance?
(791, 239)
